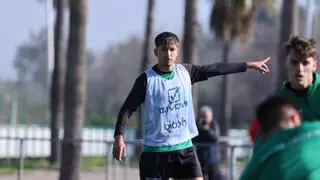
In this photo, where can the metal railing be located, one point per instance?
(111, 168)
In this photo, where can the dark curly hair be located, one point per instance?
(302, 46)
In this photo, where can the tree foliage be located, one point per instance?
(232, 19)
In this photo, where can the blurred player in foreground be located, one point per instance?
(164, 93)
(287, 149)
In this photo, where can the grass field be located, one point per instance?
(91, 168)
(11, 166)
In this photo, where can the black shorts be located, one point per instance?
(176, 164)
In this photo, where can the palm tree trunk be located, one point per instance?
(191, 41)
(145, 61)
(148, 35)
(74, 92)
(226, 100)
(57, 85)
(288, 27)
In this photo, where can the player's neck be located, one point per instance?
(298, 87)
(165, 68)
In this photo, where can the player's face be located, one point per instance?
(300, 70)
(167, 54)
(206, 117)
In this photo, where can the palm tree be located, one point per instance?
(57, 85)
(148, 35)
(191, 40)
(145, 61)
(74, 92)
(230, 20)
(288, 27)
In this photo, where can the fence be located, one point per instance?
(109, 169)
(37, 148)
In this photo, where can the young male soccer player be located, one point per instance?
(164, 92)
(290, 148)
(303, 85)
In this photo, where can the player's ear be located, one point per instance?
(155, 51)
(315, 65)
(296, 119)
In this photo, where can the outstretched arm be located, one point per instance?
(203, 72)
(132, 102)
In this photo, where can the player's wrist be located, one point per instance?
(250, 64)
(118, 137)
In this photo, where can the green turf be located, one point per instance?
(12, 166)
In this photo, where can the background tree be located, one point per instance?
(146, 55)
(230, 20)
(191, 36)
(74, 92)
(57, 83)
(30, 57)
(288, 27)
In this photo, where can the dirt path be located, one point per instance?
(133, 174)
(119, 174)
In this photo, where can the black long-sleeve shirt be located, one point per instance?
(197, 73)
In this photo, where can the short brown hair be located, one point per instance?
(164, 37)
(302, 46)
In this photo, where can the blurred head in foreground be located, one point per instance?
(277, 113)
